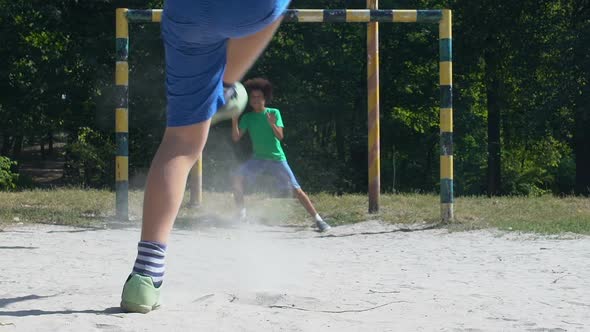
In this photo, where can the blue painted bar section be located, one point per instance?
(446, 191)
(139, 15)
(446, 144)
(122, 199)
(335, 16)
(446, 96)
(429, 16)
(122, 49)
(291, 15)
(446, 49)
(121, 96)
(122, 144)
(381, 15)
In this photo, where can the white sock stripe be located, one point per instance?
(141, 262)
(149, 268)
(157, 260)
(147, 252)
(146, 249)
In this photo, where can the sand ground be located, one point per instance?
(364, 277)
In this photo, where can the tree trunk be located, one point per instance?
(582, 149)
(430, 152)
(339, 120)
(581, 64)
(17, 147)
(494, 117)
(50, 142)
(42, 148)
(6, 145)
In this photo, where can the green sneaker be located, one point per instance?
(140, 295)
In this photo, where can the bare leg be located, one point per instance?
(243, 52)
(239, 191)
(305, 201)
(166, 182)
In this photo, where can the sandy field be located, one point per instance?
(363, 277)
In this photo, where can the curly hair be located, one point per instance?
(260, 84)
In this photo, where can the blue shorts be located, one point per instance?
(195, 34)
(252, 168)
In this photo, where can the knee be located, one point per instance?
(181, 147)
(186, 141)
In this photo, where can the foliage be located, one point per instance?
(8, 179)
(522, 74)
(89, 159)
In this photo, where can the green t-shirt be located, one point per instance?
(264, 142)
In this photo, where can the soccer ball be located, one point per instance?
(234, 104)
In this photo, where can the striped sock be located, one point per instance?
(150, 261)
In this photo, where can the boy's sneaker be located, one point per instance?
(140, 295)
(322, 226)
(236, 98)
(242, 216)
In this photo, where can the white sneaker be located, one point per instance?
(242, 215)
(322, 226)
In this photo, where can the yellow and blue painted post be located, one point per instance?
(446, 116)
(122, 114)
(373, 111)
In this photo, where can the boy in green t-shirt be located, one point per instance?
(265, 127)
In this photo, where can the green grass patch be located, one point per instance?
(545, 214)
(80, 207)
(83, 207)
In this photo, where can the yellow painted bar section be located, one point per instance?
(374, 166)
(405, 16)
(122, 26)
(358, 16)
(157, 15)
(446, 120)
(446, 167)
(122, 168)
(445, 26)
(446, 73)
(310, 15)
(121, 120)
(122, 73)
